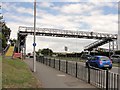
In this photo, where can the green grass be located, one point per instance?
(16, 74)
(116, 64)
(70, 58)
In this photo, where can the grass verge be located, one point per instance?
(116, 64)
(16, 74)
(69, 59)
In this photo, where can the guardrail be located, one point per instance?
(102, 79)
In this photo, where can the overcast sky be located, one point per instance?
(81, 16)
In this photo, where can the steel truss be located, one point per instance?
(102, 37)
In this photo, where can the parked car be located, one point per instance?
(86, 56)
(115, 58)
(101, 62)
(31, 56)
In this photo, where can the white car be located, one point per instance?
(115, 58)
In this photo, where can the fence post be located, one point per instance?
(107, 79)
(88, 74)
(66, 66)
(59, 64)
(40, 60)
(49, 62)
(118, 81)
(76, 70)
(43, 61)
(54, 62)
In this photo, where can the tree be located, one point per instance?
(5, 34)
(4, 42)
(38, 52)
(47, 52)
(13, 41)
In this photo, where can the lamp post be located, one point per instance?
(34, 44)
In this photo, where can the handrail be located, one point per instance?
(5, 50)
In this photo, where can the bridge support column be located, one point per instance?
(25, 48)
(109, 49)
(18, 46)
(116, 45)
(113, 47)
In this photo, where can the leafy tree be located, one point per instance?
(5, 34)
(47, 52)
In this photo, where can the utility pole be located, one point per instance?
(34, 44)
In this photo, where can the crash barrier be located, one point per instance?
(102, 79)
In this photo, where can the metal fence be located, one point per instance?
(103, 79)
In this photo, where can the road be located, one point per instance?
(113, 70)
(52, 78)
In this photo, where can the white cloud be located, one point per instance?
(97, 21)
(44, 4)
(12, 7)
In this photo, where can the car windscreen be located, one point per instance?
(116, 56)
(104, 58)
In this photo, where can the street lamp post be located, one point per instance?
(34, 58)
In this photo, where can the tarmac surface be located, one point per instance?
(52, 78)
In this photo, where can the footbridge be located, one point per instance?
(102, 38)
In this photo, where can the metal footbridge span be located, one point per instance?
(102, 38)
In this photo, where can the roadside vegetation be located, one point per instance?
(72, 56)
(16, 74)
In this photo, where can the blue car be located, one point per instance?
(101, 62)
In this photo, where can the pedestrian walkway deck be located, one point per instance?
(52, 78)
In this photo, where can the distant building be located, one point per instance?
(118, 39)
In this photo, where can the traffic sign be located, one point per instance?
(34, 44)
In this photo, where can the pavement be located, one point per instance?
(52, 78)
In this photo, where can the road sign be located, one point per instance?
(34, 44)
(66, 48)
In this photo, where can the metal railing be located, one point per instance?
(103, 79)
(5, 50)
(25, 30)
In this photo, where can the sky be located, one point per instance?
(90, 15)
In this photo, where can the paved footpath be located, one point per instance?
(52, 78)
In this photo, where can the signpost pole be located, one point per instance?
(34, 58)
